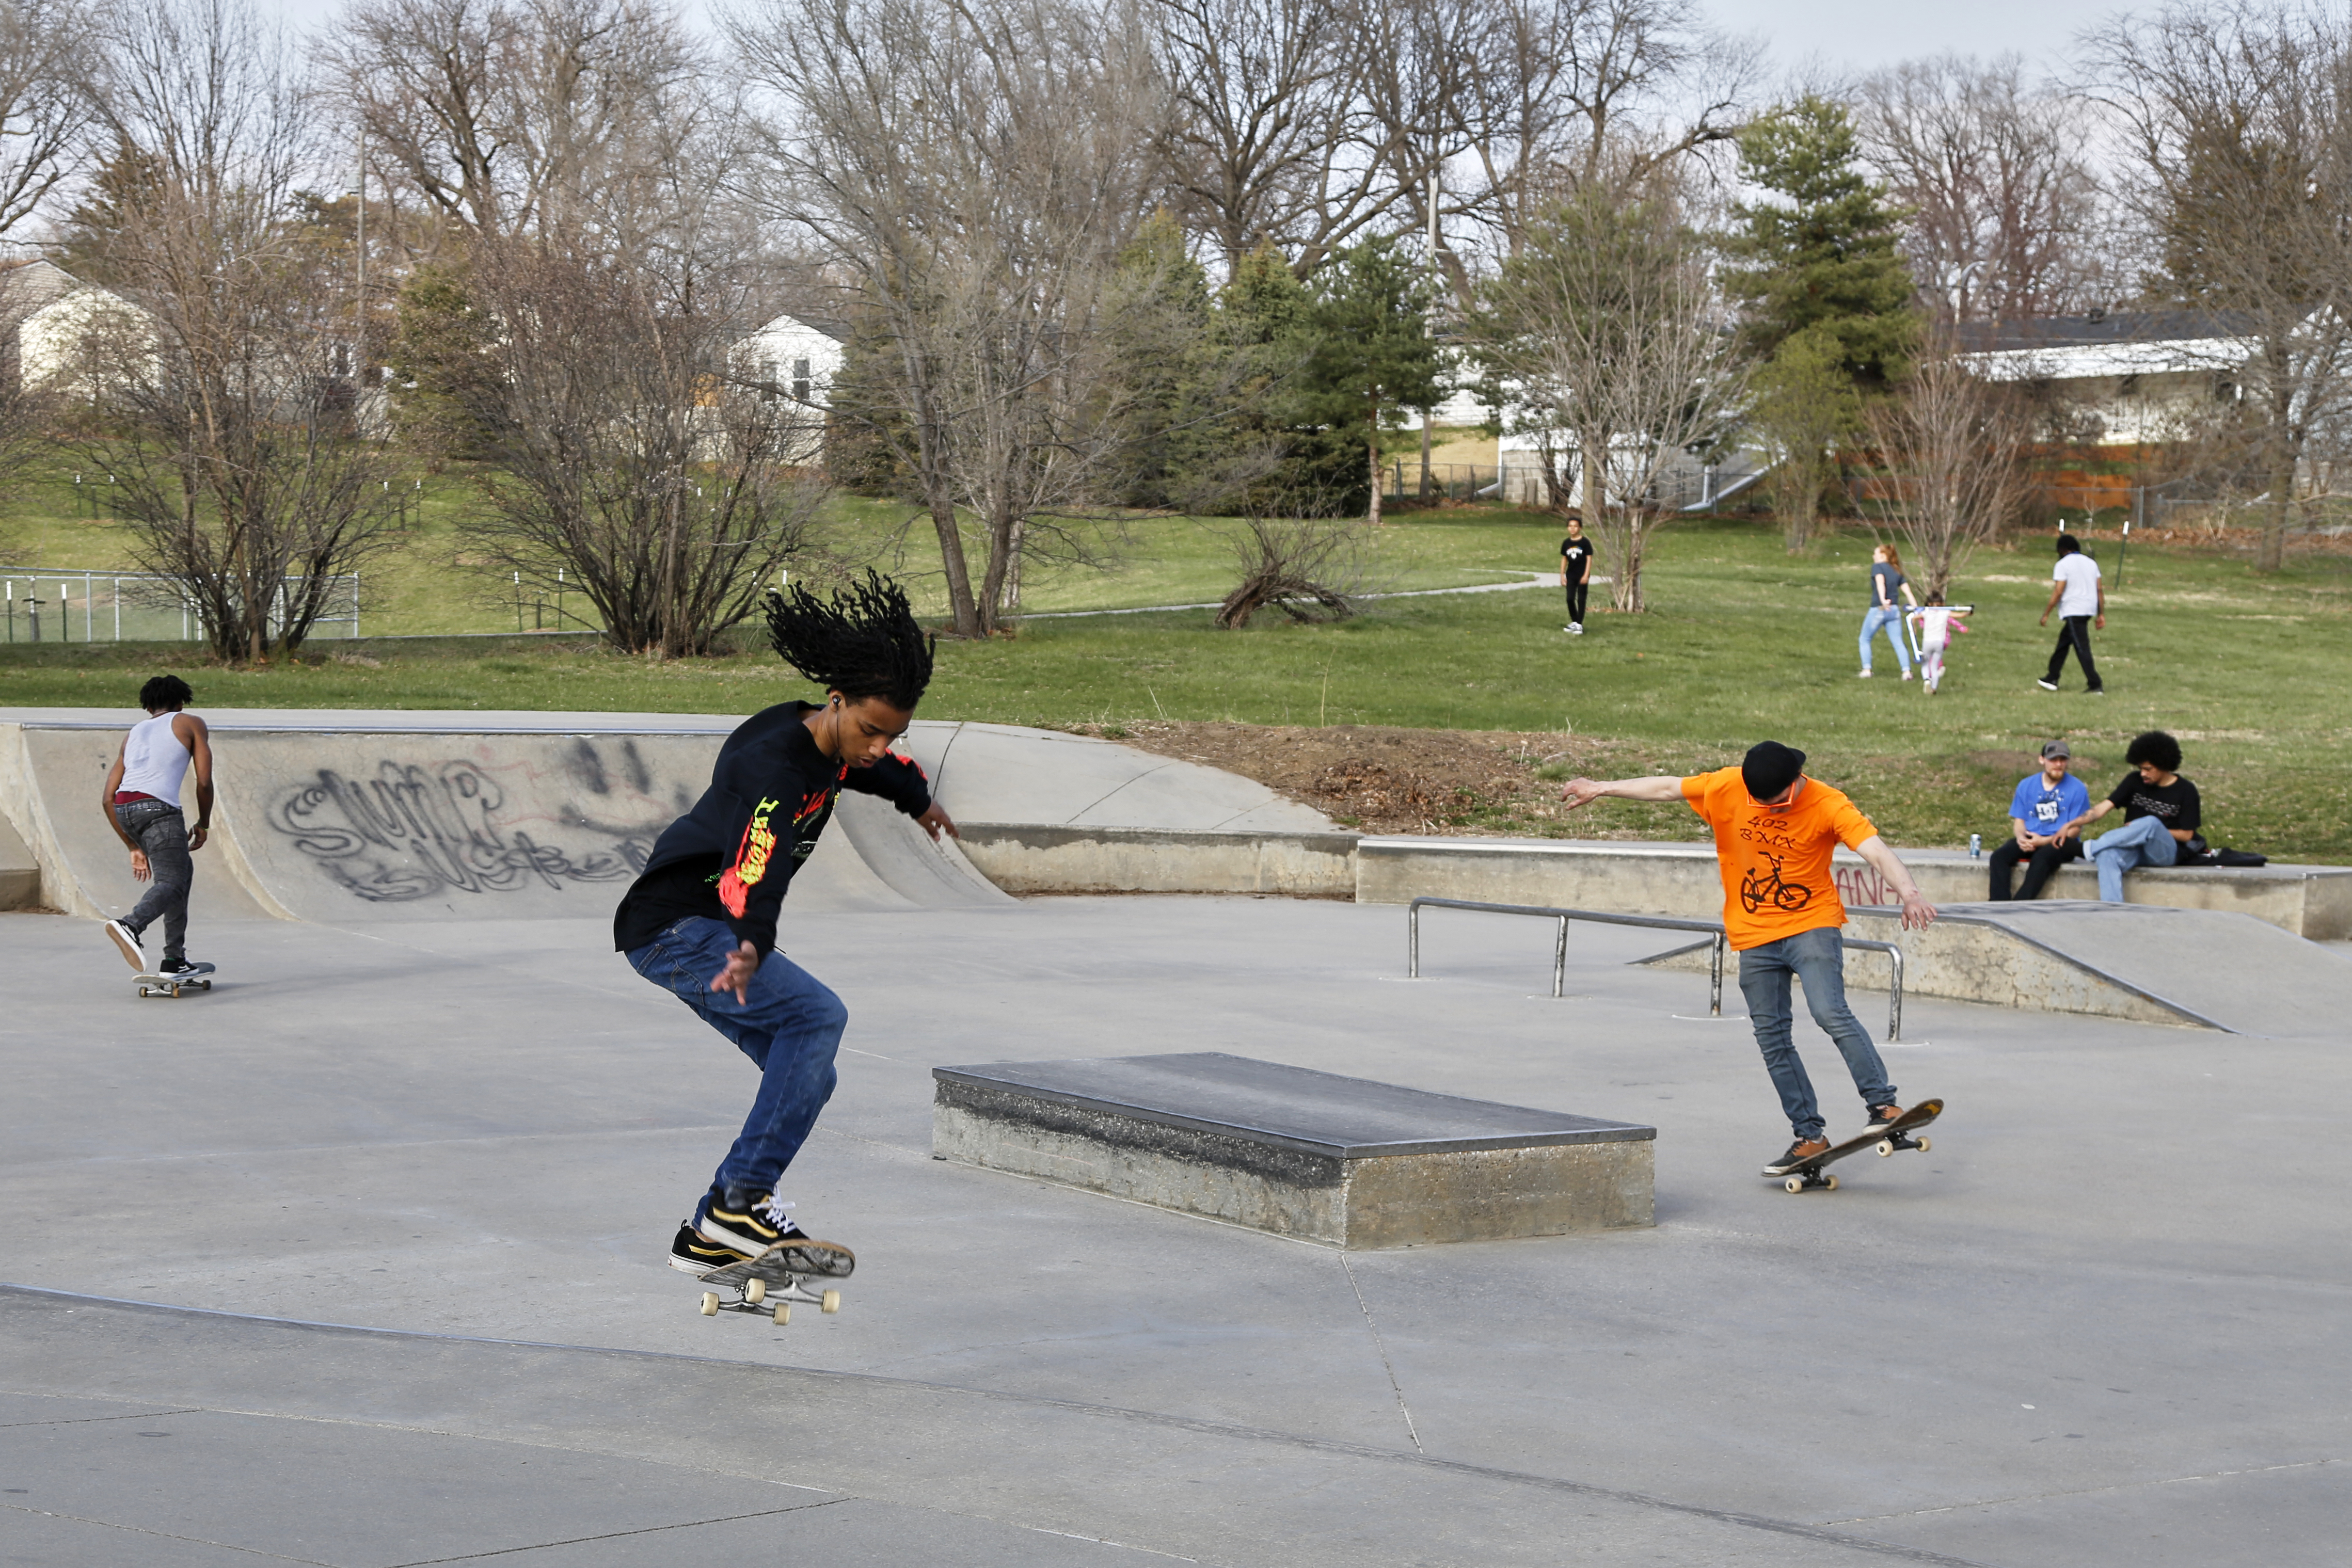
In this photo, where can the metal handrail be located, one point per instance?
(1713, 928)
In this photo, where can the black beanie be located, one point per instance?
(1770, 768)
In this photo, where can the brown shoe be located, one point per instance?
(1798, 1152)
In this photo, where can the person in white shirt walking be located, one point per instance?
(2081, 600)
(142, 806)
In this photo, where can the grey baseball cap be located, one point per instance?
(2054, 748)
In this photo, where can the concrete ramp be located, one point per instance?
(418, 822)
(2233, 972)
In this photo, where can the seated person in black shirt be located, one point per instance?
(2161, 813)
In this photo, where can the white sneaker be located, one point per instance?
(1865, 674)
(1577, 628)
(133, 954)
(1907, 675)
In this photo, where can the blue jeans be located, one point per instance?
(1818, 958)
(790, 1028)
(2144, 840)
(1892, 620)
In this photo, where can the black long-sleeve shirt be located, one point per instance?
(732, 857)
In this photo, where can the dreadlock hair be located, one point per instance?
(863, 642)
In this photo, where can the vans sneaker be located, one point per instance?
(1802, 1150)
(133, 954)
(691, 1254)
(2047, 686)
(1879, 1115)
(767, 1223)
(1576, 628)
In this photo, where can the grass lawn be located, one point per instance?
(2253, 673)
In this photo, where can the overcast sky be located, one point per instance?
(1843, 34)
(1862, 34)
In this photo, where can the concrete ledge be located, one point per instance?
(1342, 1161)
(1038, 858)
(1680, 879)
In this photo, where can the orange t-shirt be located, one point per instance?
(1776, 859)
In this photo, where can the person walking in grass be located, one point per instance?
(1936, 622)
(141, 803)
(2162, 812)
(1775, 830)
(1887, 583)
(700, 922)
(2043, 810)
(1576, 571)
(2081, 600)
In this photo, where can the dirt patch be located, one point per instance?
(1379, 779)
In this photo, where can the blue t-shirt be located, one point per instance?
(2045, 809)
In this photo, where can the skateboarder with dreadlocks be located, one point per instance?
(702, 920)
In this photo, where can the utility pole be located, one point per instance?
(1431, 186)
(359, 325)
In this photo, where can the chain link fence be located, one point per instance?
(48, 606)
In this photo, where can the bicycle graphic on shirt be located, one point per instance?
(1756, 891)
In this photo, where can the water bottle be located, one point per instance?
(1976, 846)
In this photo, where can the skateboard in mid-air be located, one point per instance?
(195, 978)
(767, 1283)
(1886, 1138)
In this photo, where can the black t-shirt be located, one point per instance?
(1576, 552)
(2174, 804)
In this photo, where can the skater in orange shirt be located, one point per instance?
(1775, 830)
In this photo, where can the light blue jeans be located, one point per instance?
(1892, 620)
(2143, 841)
(1816, 958)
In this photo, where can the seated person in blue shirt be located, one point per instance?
(2041, 815)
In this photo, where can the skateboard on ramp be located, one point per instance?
(1807, 1175)
(195, 978)
(769, 1283)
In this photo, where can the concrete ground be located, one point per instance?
(2100, 1323)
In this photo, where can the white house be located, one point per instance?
(47, 318)
(1685, 484)
(796, 359)
(2132, 378)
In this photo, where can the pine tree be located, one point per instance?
(1822, 256)
(128, 180)
(1372, 359)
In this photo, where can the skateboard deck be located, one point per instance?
(1807, 1175)
(767, 1283)
(195, 978)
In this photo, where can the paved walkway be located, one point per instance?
(2053, 1340)
(1534, 579)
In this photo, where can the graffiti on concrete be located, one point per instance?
(1860, 884)
(417, 831)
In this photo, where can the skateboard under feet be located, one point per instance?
(1807, 1175)
(195, 978)
(764, 1284)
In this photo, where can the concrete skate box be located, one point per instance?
(1344, 1161)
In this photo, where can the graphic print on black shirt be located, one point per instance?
(733, 857)
(2175, 805)
(1576, 552)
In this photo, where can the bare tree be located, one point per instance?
(1952, 449)
(511, 116)
(220, 375)
(47, 109)
(1304, 567)
(1264, 138)
(633, 449)
(1608, 326)
(974, 170)
(2239, 125)
(1805, 406)
(1997, 178)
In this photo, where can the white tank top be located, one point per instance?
(154, 760)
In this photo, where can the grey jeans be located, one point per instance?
(157, 827)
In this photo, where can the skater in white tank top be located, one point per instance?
(142, 806)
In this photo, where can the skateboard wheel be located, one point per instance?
(783, 1313)
(755, 1290)
(1794, 1184)
(709, 1303)
(830, 1301)
(1829, 1184)
(1885, 1147)
(1924, 1146)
